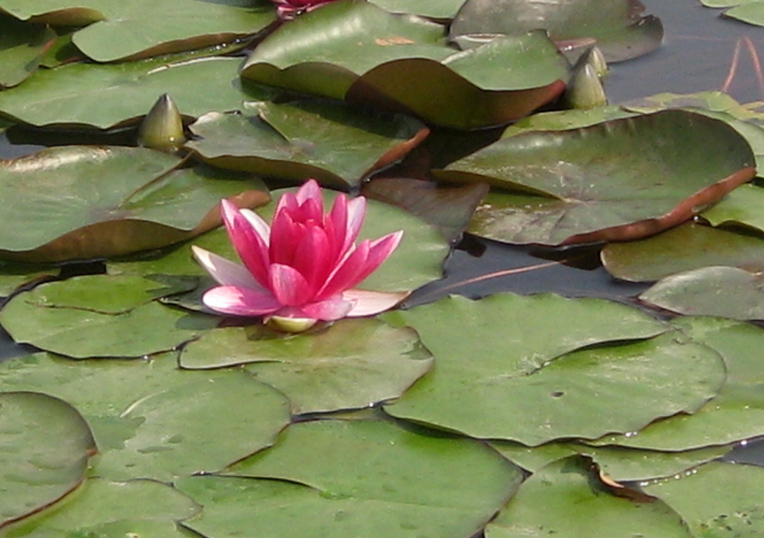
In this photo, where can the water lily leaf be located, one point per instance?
(106, 96)
(736, 413)
(370, 53)
(561, 120)
(404, 484)
(335, 143)
(749, 11)
(448, 208)
(15, 275)
(698, 292)
(618, 463)
(734, 514)
(154, 420)
(351, 364)
(567, 500)
(103, 508)
(434, 9)
(531, 395)
(21, 49)
(122, 30)
(109, 325)
(619, 29)
(686, 247)
(621, 179)
(741, 207)
(44, 449)
(81, 202)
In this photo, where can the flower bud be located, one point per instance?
(162, 128)
(585, 89)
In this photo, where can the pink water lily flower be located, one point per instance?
(303, 267)
(289, 9)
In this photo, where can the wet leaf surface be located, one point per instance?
(21, 48)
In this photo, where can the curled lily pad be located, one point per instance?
(106, 96)
(80, 202)
(621, 179)
(351, 364)
(335, 143)
(404, 62)
(21, 49)
(618, 28)
(44, 449)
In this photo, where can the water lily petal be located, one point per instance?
(369, 303)
(312, 258)
(356, 216)
(285, 236)
(343, 277)
(309, 190)
(239, 301)
(262, 228)
(248, 244)
(331, 309)
(289, 286)
(225, 272)
(379, 250)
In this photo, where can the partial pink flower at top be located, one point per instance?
(303, 267)
(289, 9)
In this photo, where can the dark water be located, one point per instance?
(698, 54)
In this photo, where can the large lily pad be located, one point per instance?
(400, 483)
(21, 49)
(686, 247)
(499, 373)
(335, 143)
(103, 508)
(566, 500)
(115, 323)
(105, 96)
(80, 202)
(154, 420)
(741, 207)
(404, 62)
(147, 28)
(621, 179)
(617, 26)
(351, 364)
(44, 448)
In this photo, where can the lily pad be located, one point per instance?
(736, 413)
(400, 483)
(15, 275)
(618, 27)
(501, 373)
(21, 49)
(335, 143)
(686, 247)
(351, 364)
(621, 179)
(566, 500)
(44, 449)
(103, 508)
(110, 325)
(404, 62)
(107, 96)
(710, 291)
(741, 207)
(750, 11)
(434, 9)
(154, 420)
(81, 202)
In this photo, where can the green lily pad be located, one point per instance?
(81, 202)
(618, 27)
(154, 420)
(710, 291)
(741, 207)
(107, 96)
(335, 143)
(351, 364)
(750, 11)
(103, 508)
(400, 61)
(686, 247)
(499, 373)
(621, 179)
(400, 483)
(111, 324)
(561, 120)
(736, 413)
(122, 30)
(434, 9)
(21, 49)
(618, 463)
(735, 513)
(44, 449)
(15, 275)
(566, 500)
